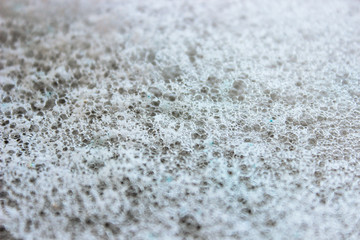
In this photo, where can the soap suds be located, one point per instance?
(179, 119)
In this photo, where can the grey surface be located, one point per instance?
(179, 119)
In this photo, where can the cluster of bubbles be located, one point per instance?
(136, 121)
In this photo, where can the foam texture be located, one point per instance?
(180, 119)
